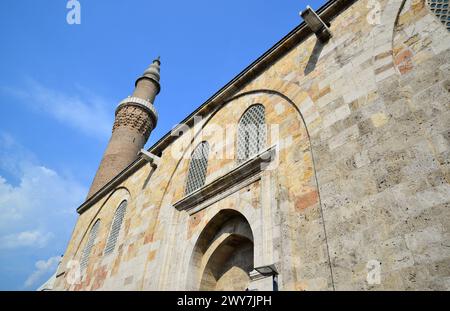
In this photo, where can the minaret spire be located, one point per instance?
(135, 118)
(152, 72)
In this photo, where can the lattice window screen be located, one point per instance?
(251, 133)
(197, 168)
(115, 228)
(88, 247)
(440, 9)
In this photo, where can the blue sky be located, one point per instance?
(60, 84)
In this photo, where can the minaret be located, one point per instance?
(135, 119)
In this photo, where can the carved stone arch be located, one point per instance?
(223, 254)
(383, 35)
(196, 134)
(263, 241)
(265, 253)
(305, 109)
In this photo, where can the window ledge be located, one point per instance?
(233, 178)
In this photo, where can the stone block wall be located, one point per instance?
(360, 180)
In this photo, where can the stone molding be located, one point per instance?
(239, 177)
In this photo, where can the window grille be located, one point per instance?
(89, 244)
(440, 9)
(197, 168)
(251, 133)
(115, 227)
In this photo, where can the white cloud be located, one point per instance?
(85, 112)
(43, 267)
(25, 239)
(40, 195)
(37, 211)
(40, 205)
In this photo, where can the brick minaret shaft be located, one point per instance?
(135, 119)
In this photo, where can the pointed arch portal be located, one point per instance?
(223, 255)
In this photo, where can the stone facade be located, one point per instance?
(355, 176)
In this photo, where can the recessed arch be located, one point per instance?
(217, 110)
(229, 264)
(223, 255)
(193, 278)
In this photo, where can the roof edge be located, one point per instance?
(326, 12)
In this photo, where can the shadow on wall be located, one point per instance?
(312, 61)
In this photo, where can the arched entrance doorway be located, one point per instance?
(223, 255)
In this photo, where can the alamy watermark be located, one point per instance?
(73, 16)
(73, 272)
(374, 15)
(373, 272)
(228, 135)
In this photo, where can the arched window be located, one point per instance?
(251, 133)
(88, 247)
(440, 9)
(115, 227)
(197, 168)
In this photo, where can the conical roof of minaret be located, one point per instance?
(152, 71)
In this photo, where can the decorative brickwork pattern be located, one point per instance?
(134, 117)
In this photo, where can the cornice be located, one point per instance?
(327, 12)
